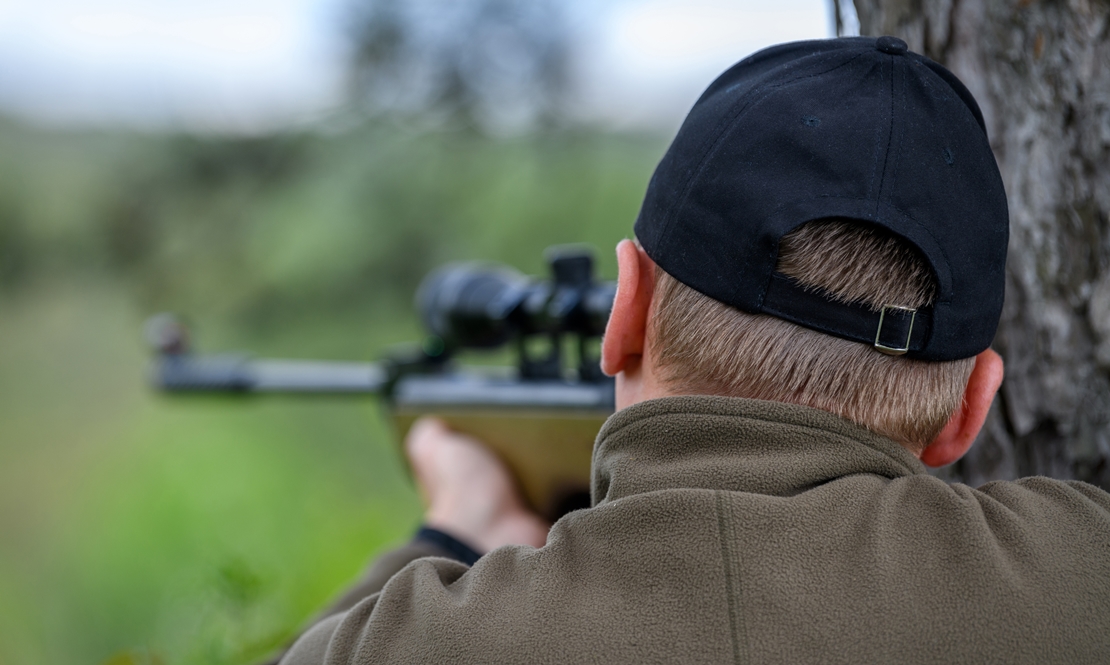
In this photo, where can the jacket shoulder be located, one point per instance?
(1050, 500)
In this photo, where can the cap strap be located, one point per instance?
(893, 330)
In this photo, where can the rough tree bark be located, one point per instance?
(1041, 72)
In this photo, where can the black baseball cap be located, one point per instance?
(857, 128)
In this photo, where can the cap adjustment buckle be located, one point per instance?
(893, 320)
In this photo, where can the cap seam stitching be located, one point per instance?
(889, 140)
(901, 131)
(875, 162)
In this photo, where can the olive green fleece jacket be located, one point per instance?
(738, 531)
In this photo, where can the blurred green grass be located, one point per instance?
(136, 528)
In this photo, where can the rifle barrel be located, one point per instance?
(231, 373)
(481, 390)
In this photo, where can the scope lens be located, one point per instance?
(468, 305)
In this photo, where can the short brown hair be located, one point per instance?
(702, 346)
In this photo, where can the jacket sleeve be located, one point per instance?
(379, 572)
(427, 543)
(340, 634)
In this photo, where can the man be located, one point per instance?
(806, 323)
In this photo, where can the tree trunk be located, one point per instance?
(1040, 70)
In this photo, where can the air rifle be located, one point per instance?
(540, 417)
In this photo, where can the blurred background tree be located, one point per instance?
(1039, 71)
(493, 65)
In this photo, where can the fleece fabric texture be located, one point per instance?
(738, 531)
(372, 580)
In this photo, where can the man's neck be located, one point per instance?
(638, 382)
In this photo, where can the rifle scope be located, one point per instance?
(481, 306)
(477, 305)
(463, 306)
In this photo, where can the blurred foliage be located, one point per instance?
(285, 227)
(140, 529)
(491, 65)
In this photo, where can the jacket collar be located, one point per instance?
(728, 443)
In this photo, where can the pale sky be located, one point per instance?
(240, 65)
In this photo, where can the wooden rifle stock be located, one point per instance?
(542, 429)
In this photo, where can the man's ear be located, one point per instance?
(624, 335)
(960, 432)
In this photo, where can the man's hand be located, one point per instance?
(469, 492)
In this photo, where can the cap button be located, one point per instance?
(891, 45)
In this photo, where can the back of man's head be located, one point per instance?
(702, 346)
(829, 229)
